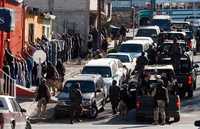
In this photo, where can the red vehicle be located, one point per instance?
(12, 116)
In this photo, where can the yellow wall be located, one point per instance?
(38, 24)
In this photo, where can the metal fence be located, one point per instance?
(7, 84)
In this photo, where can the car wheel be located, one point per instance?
(177, 117)
(56, 115)
(13, 124)
(93, 112)
(28, 125)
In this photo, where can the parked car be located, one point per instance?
(12, 116)
(127, 60)
(145, 103)
(109, 69)
(148, 31)
(135, 47)
(93, 90)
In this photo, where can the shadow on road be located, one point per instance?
(192, 104)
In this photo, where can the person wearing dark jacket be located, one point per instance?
(61, 71)
(52, 77)
(76, 99)
(114, 94)
(42, 97)
(176, 52)
(161, 99)
(141, 62)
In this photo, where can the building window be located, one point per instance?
(31, 32)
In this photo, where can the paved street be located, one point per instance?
(189, 113)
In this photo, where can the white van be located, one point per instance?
(135, 47)
(110, 69)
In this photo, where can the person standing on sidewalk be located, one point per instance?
(61, 71)
(43, 96)
(76, 99)
(114, 94)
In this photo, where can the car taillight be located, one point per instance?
(1, 121)
(189, 80)
(190, 44)
(178, 103)
(138, 103)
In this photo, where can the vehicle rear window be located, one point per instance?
(131, 48)
(171, 36)
(3, 104)
(169, 72)
(166, 47)
(122, 58)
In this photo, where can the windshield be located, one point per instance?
(103, 71)
(162, 23)
(131, 48)
(122, 58)
(86, 86)
(146, 33)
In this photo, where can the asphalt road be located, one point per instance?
(190, 112)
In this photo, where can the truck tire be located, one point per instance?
(177, 117)
(28, 125)
(93, 112)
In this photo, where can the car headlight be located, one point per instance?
(86, 102)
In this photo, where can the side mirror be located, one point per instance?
(23, 110)
(197, 123)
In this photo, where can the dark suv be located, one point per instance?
(92, 87)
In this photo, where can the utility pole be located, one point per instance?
(99, 15)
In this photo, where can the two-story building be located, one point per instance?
(74, 15)
(38, 23)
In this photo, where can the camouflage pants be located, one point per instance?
(160, 109)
